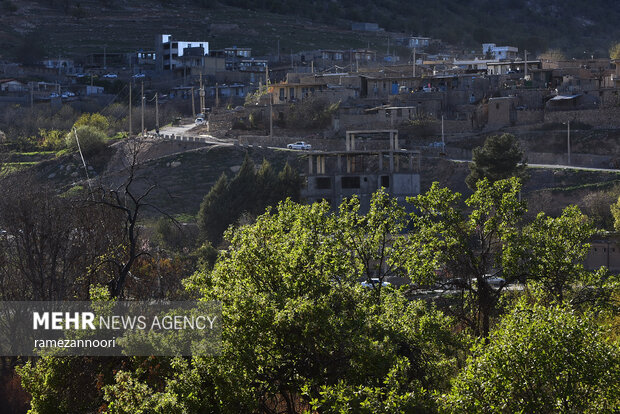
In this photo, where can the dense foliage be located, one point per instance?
(500, 157)
(301, 333)
(249, 193)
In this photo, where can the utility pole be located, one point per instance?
(270, 102)
(217, 95)
(157, 112)
(413, 64)
(202, 97)
(443, 140)
(568, 140)
(270, 116)
(525, 75)
(142, 130)
(105, 66)
(31, 97)
(130, 108)
(193, 104)
(170, 41)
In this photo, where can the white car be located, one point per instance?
(301, 145)
(374, 282)
(139, 76)
(200, 121)
(110, 76)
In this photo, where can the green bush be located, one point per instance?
(95, 120)
(92, 139)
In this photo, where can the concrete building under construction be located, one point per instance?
(365, 165)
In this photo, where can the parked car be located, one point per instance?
(301, 145)
(110, 76)
(139, 76)
(495, 282)
(54, 95)
(200, 121)
(374, 282)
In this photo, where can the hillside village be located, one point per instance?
(436, 103)
(411, 224)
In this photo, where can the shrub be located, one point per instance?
(91, 139)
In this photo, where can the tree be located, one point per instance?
(91, 139)
(499, 158)
(614, 51)
(615, 211)
(553, 55)
(298, 325)
(244, 197)
(95, 120)
(554, 250)
(290, 183)
(540, 360)
(469, 247)
(213, 216)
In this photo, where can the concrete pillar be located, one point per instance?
(391, 161)
(309, 164)
(391, 140)
(410, 162)
(397, 162)
(338, 166)
(323, 164)
(348, 164)
(380, 161)
(396, 147)
(347, 145)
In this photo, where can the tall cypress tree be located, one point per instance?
(214, 215)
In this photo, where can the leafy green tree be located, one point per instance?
(92, 140)
(615, 211)
(554, 250)
(500, 157)
(540, 360)
(614, 51)
(298, 327)
(95, 120)
(469, 247)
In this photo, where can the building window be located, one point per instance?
(292, 93)
(385, 181)
(351, 182)
(323, 183)
(282, 94)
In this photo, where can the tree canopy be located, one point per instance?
(500, 157)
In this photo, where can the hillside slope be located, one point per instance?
(72, 27)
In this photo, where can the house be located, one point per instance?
(298, 86)
(12, 85)
(414, 42)
(333, 175)
(169, 52)
(502, 111)
(504, 67)
(491, 51)
(238, 52)
(63, 65)
(572, 102)
(604, 251)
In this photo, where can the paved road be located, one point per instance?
(176, 130)
(556, 166)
